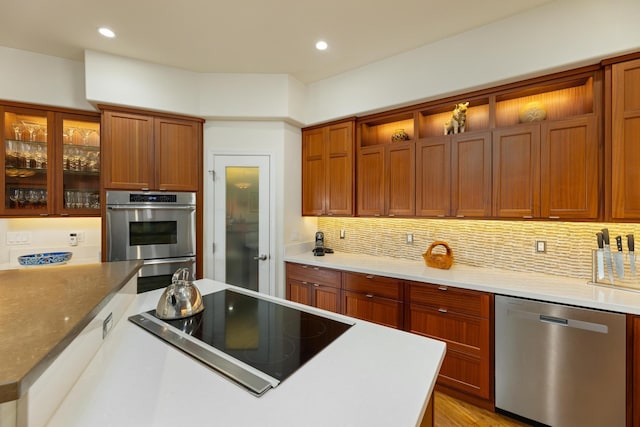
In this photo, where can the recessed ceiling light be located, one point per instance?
(106, 32)
(321, 45)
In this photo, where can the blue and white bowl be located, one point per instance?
(45, 258)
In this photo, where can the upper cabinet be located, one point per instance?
(546, 150)
(328, 166)
(386, 166)
(625, 140)
(51, 161)
(143, 151)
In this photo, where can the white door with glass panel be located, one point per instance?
(241, 221)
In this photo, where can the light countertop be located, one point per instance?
(526, 285)
(371, 375)
(42, 311)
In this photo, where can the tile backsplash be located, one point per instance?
(508, 245)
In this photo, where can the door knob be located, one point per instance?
(262, 257)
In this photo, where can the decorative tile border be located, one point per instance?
(508, 245)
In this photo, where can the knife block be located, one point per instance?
(629, 282)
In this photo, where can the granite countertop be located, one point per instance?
(43, 309)
(545, 287)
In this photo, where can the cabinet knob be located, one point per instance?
(442, 288)
(305, 266)
(369, 296)
(316, 268)
(442, 310)
(316, 285)
(305, 282)
(369, 276)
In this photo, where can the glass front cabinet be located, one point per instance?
(51, 162)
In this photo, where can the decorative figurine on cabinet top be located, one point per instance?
(458, 119)
(399, 135)
(532, 112)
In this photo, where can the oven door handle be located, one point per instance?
(168, 260)
(134, 208)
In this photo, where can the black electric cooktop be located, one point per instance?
(273, 338)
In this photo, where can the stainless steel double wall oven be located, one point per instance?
(156, 227)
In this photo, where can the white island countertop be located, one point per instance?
(538, 286)
(370, 376)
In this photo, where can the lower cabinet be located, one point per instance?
(314, 286)
(373, 298)
(461, 318)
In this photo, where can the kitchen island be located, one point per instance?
(45, 311)
(371, 375)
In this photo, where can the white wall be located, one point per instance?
(41, 79)
(282, 143)
(559, 35)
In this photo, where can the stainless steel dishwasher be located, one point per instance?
(560, 365)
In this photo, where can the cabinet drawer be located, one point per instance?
(466, 373)
(314, 275)
(373, 309)
(380, 286)
(456, 300)
(468, 334)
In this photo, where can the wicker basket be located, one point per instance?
(442, 261)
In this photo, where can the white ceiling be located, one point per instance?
(246, 36)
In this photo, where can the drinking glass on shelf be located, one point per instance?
(68, 199)
(43, 198)
(15, 196)
(17, 130)
(32, 128)
(68, 132)
(85, 132)
(11, 154)
(33, 197)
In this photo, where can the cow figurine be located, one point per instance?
(458, 119)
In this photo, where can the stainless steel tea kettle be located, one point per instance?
(181, 298)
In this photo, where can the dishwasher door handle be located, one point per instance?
(556, 320)
(570, 323)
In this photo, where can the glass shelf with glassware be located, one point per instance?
(47, 153)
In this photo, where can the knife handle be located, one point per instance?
(605, 235)
(619, 243)
(600, 240)
(630, 243)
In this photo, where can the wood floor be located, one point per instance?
(451, 412)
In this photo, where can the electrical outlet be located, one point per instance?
(410, 238)
(541, 246)
(73, 239)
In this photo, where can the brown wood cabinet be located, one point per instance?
(463, 319)
(314, 286)
(51, 161)
(151, 152)
(453, 172)
(374, 298)
(328, 169)
(625, 134)
(386, 167)
(548, 170)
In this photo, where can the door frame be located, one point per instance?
(209, 212)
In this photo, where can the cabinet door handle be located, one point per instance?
(64, 214)
(145, 188)
(376, 214)
(392, 215)
(527, 216)
(369, 276)
(554, 217)
(459, 216)
(316, 268)
(316, 285)
(305, 283)
(330, 213)
(442, 288)
(442, 310)
(440, 216)
(369, 296)
(305, 266)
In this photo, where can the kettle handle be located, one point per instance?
(181, 275)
